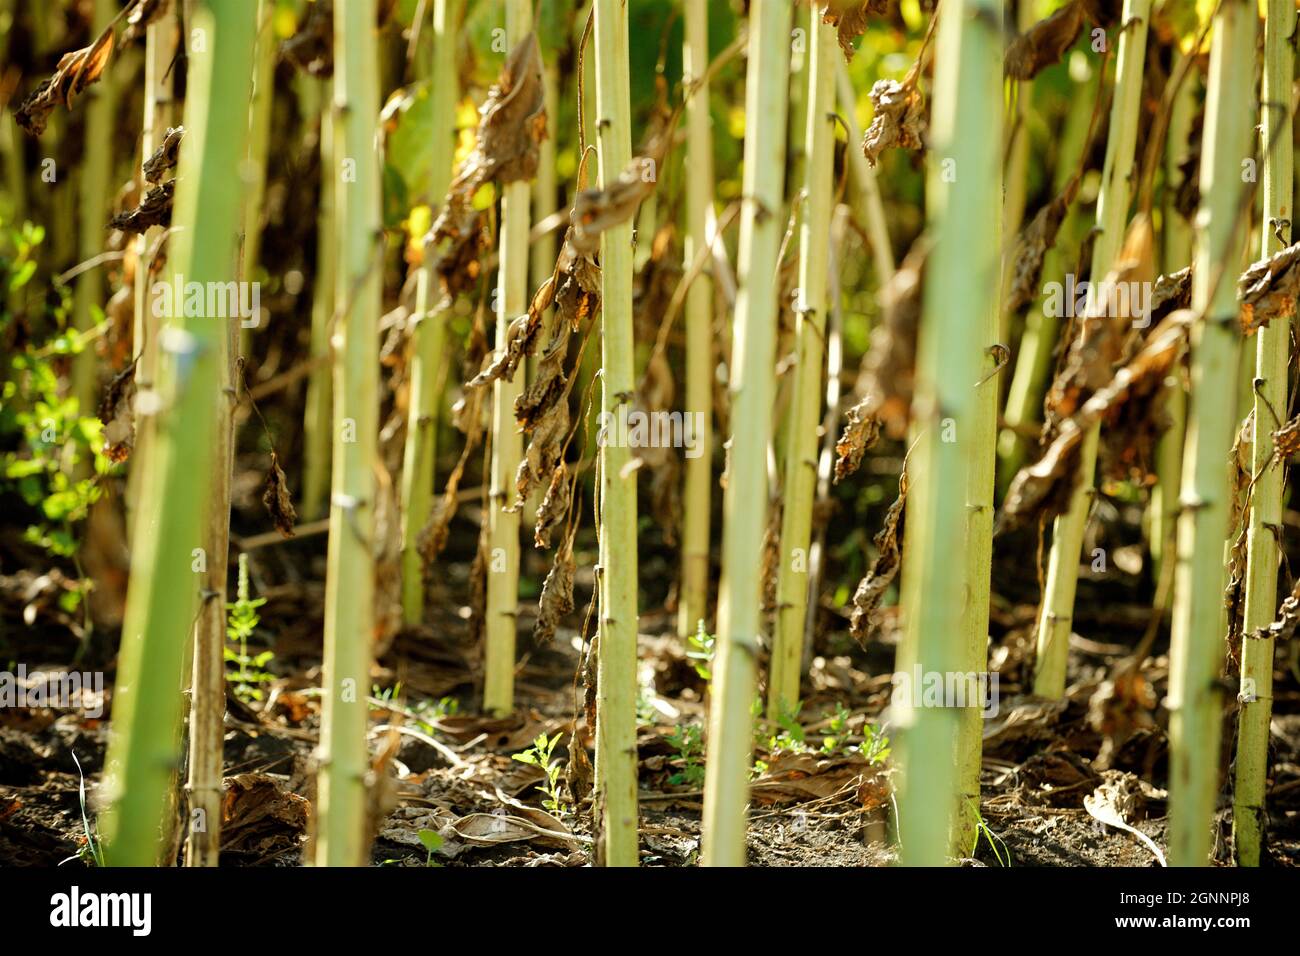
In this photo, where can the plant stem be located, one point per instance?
(949, 419)
(1177, 242)
(349, 574)
(800, 475)
(160, 607)
(726, 787)
(616, 678)
(259, 136)
(92, 212)
(1196, 648)
(317, 440)
(428, 358)
(1057, 617)
(507, 442)
(693, 605)
(1271, 358)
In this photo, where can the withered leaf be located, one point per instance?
(275, 497)
(165, 156)
(76, 71)
(143, 13)
(1268, 289)
(899, 120)
(849, 18)
(554, 509)
(861, 431)
(1031, 248)
(116, 412)
(1044, 43)
(1044, 487)
(154, 210)
(889, 545)
(557, 592)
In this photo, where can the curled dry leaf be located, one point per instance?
(1044, 43)
(275, 497)
(899, 121)
(861, 431)
(1044, 487)
(554, 509)
(76, 71)
(154, 210)
(116, 412)
(849, 18)
(1286, 440)
(311, 49)
(143, 13)
(889, 558)
(1268, 289)
(557, 592)
(1032, 245)
(165, 156)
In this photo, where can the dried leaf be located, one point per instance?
(1268, 289)
(889, 558)
(143, 13)
(849, 17)
(556, 601)
(117, 413)
(1032, 245)
(165, 156)
(75, 72)
(1044, 43)
(861, 432)
(554, 509)
(899, 120)
(154, 210)
(275, 498)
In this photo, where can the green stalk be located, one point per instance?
(616, 677)
(730, 743)
(507, 442)
(1271, 358)
(160, 50)
(693, 605)
(259, 137)
(94, 206)
(349, 572)
(1196, 647)
(143, 749)
(1057, 618)
(940, 589)
(1042, 329)
(428, 359)
(1177, 251)
(317, 440)
(800, 476)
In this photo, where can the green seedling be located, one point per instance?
(689, 743)
(541, 754)
(241, 621)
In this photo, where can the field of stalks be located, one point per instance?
(557, 433)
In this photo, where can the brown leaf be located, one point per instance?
(1032, 245)
(1044, 487)
(259, 818)
(118, 415)
(154, 210)
(889, 545)
(899, 121)
(76, 71)
(165, 156)
(861, 432)
(557, 592)
(1044, 43)
(849, 17)
(1268, 289)
(275, 498)
(554, 509)
(143, 13)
